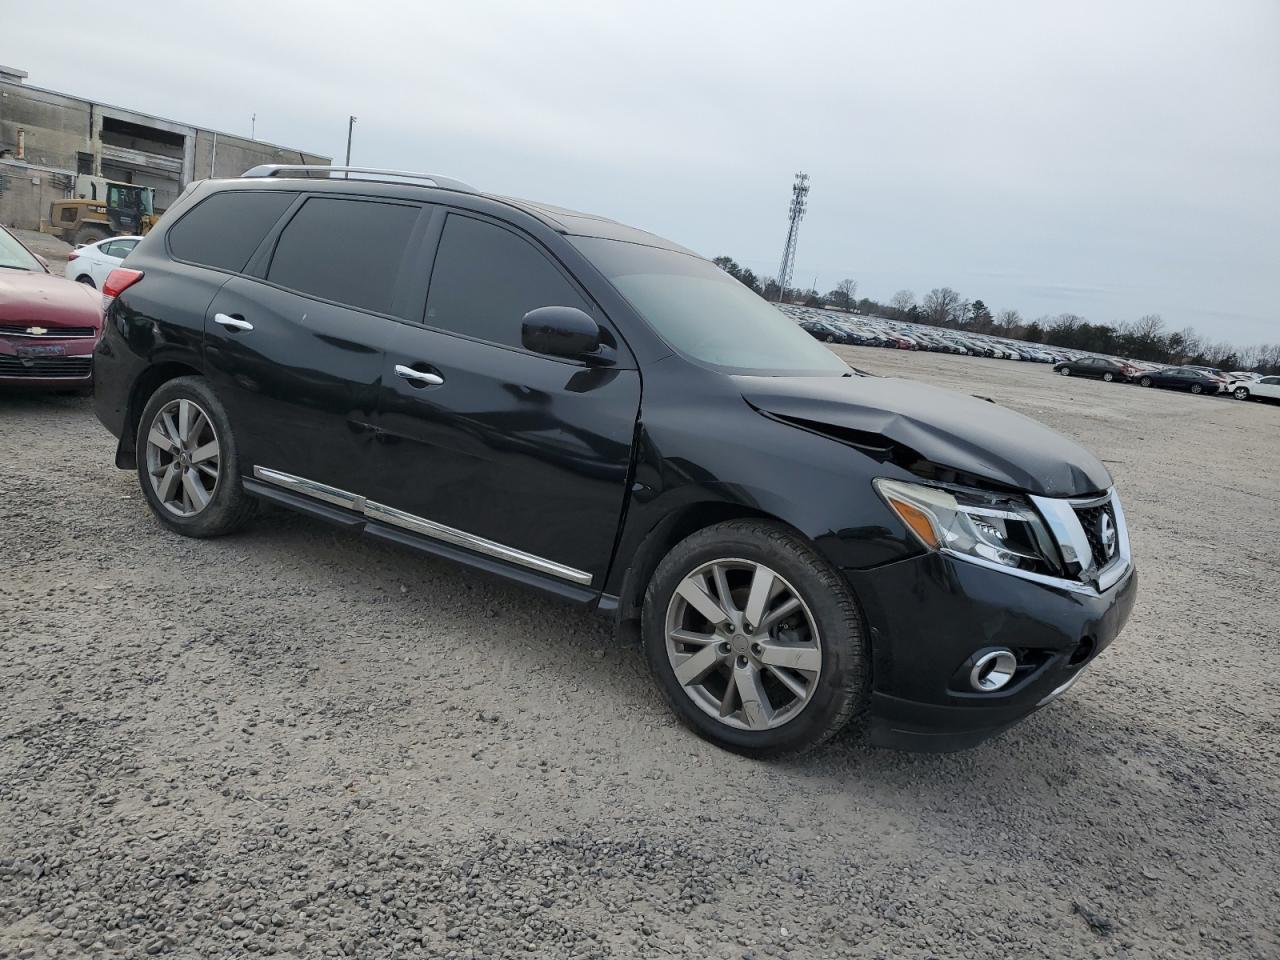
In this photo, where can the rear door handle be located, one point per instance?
(417, 377)
(235, 323)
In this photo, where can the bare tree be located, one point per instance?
(848, 290)
(844, 295)
(1149, 327)
(942, 307)
(903, 301)
(1008, 320)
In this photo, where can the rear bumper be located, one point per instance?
(929, 615)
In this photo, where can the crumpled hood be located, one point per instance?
(946, 428)
(46, 300)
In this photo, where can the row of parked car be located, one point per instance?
(870, 331)
(1241, 384)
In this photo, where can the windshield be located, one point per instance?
(705, 314)
(15, 256)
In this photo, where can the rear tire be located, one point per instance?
(1108, 376)
(86, 280)
(188, 465)
(793, 704)
(1196, 388)
(90, 235)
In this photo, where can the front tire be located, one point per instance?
(1144, 382)
(1108, 376)
(1241, 393)
(188, 466)
(755, 640)
(86, 280)
(1065, 371)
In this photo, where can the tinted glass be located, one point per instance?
(485, 280)
(706, 314)
(224, 230)
(348, 251)
(124, 246)
(13, 254)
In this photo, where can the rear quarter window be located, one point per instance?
(224, 230)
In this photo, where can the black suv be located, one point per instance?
(597, 412)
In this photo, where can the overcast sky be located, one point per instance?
(1107, 158)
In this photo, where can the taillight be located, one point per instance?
(71, 256)
(118, 281)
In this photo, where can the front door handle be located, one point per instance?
(235, 323)
(417, 377)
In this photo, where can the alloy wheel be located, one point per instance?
(1065, 371)
(1241, 393)
(1108, 377)
(1196, 388)
(743, 644)
(183, 457)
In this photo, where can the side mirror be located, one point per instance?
(560, 332)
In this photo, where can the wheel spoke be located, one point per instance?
(722, 589)
(197, 424)
(697, 597)
(689, 636)
(204, 452)
(778, 614)
(788, 680)
(170, 428)
(195, 490)
(756, 707)
(728, 701)
(184, 420)
(157, 438)
(695, 666)
(807, 659)
(164, 489)
(762, 581)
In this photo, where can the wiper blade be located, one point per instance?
(10, 266)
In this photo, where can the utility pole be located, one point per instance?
(253, 127)
(351, 122)
(799, 201)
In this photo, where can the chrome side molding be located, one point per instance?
(421, 525)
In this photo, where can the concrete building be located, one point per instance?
(46, 138)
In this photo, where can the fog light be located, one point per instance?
(993, 670)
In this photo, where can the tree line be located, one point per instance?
(1143, 339)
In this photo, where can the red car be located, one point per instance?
(48, 325)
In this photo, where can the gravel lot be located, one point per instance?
(295, 741)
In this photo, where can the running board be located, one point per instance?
(380, 512)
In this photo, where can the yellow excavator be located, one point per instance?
(102, 208)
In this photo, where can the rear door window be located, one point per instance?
(486, 278)
(347, 251)
(224, 230)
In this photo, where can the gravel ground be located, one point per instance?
(296, 741)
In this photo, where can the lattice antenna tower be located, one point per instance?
(799, 203)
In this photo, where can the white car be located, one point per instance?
(91, 263)
(1268, 388)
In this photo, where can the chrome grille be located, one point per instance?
(1093, 523)
(50, 333)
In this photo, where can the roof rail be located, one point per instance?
(372, 173)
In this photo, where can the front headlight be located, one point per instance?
(998, 528)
